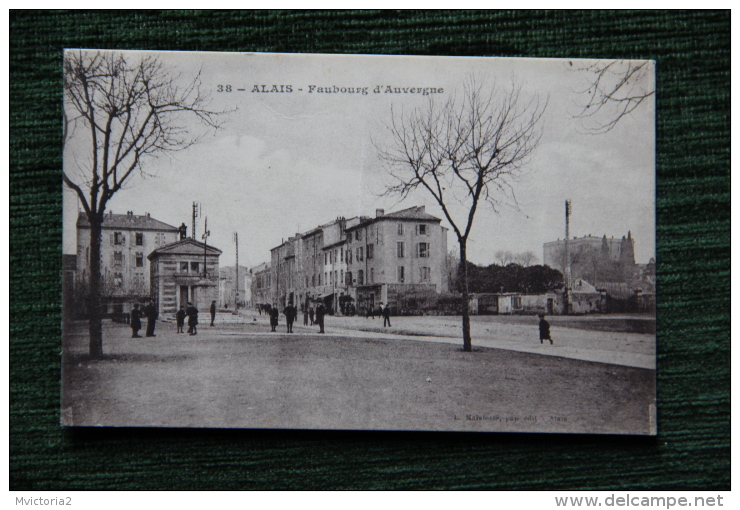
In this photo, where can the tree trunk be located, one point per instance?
(467, 342)
(94, 304)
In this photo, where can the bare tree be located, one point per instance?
(463, 152)
(526, 258)
(120, 113)
(615, 89)
(504, 257)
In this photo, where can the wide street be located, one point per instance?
(620, 339)
(242, 375)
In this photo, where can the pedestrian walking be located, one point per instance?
(370, 312)
(320, 312)
(290, 316)
(386, 312)
(544, 329)
(180, 318)
(213, 312)
(311, 314)
(274, 316)
(151, 313)
(192, 313)
(135, 321)
(305, 316)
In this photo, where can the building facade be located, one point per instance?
(234, 287)
(261, 284)
(353, 264)
(393, 256)
(127, 242)
(182, 272)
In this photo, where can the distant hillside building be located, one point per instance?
(603, 262)
(127, 241)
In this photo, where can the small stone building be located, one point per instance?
(182, 272)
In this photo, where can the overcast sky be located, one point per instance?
(286, 162)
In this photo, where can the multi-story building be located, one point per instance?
(360, 261)
(394, 256)
(229, 290)
(311, 266)
(262, 284)
(127, 241)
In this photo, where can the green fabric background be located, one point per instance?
(692, 450)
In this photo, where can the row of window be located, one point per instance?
(119, 259)
(422, 250)
(421, 229)
(359, 254)
(116, 280)
(425, 275)
(119, 239)
(330, 278)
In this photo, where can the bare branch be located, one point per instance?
(615, 89)
(132, 110)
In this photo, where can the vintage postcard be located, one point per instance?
(359, 242)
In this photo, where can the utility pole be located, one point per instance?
(196, 213)
(205, 248)
(566, 271)
(236, 241)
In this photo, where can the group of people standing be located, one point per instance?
(291, 314)
(383, 311)
(150, 312)
(191, 313)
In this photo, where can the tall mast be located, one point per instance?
(566, 272)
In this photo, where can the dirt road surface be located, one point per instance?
(241, 375)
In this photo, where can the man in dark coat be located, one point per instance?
(151, 313)
(180, 317)
(213, 312)
(320, 312)
(310, 314)
(305, 315)
(290, 315)
(192, 313)
(544, 330)
(386, 311)
(135, 321)
(274, 316)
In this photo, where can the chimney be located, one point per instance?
(379, 212)
(147, 215)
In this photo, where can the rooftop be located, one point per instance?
(128, 221)
(188, 245)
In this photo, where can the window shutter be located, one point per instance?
(112, 259)
(123, 260)
(123, 239)
(111, 239)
